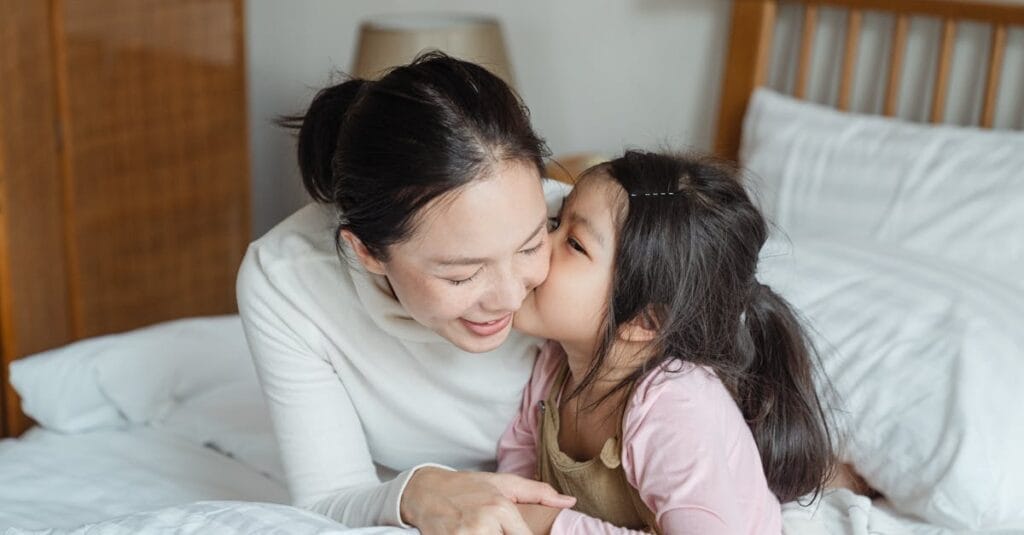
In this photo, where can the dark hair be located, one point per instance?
(382, 150)
(687, 252)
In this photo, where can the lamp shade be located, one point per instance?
(387, 41)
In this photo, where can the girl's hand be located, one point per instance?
(539, 518)
(439, 501)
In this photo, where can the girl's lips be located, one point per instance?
(487, 329)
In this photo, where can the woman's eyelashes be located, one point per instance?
(531, 251)
(457, 282)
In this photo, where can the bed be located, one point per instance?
(914, 296)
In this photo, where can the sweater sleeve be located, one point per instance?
(569, 522)
(679, 439)
(324, 451)
(689, 453)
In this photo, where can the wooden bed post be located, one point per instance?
(750, 45)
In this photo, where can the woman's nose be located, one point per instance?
(508, 292)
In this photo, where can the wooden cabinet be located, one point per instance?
(124, 173)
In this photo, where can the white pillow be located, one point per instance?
(232, 419)
(953, 192)
(62, 393)
(928, 359)
(133, 377)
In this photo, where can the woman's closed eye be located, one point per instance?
(456, 282)
(534, 249)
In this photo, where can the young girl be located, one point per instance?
(675, 393)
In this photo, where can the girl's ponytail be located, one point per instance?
(318, 136)
(778, 398)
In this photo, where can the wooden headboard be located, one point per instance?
(124, 169)
(751, 51)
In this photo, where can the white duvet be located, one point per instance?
(837, 513)
(52, 480)
(220, 517)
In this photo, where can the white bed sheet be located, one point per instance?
(220, 518)
(837, 513)
(52, 480)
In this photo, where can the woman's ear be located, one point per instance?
(642, 328)
(369, 262)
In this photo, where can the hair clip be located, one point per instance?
(655, 194)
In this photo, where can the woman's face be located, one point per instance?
(570, 305)
(473, 257)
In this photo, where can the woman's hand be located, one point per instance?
(439, 501)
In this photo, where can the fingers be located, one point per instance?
(521, 490)
(479, 503)
(550, 497)
(497, 518)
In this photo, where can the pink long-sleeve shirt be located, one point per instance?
(685, 447)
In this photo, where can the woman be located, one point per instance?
(380, 317)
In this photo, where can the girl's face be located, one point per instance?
(570, 305)
(473, 258)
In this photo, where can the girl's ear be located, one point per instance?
(642, 328)
(368, 261)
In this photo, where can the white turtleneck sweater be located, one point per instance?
(358, 391)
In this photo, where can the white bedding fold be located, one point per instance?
(837, 513)
(50, 480)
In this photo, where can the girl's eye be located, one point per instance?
(553, 223)
(575, 245)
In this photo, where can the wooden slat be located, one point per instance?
(806, 51)
(899, 48)
(995, 67)
(73, 271)
(853, 22)
(990, 11)
(34, 312)
(749, 55)
(942, 73)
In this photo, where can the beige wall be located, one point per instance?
(601, 75)
(597, 74)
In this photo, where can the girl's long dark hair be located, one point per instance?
(382, 150)
(688, 245)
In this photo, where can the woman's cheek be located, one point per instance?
(454, 302)
(540, 266)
